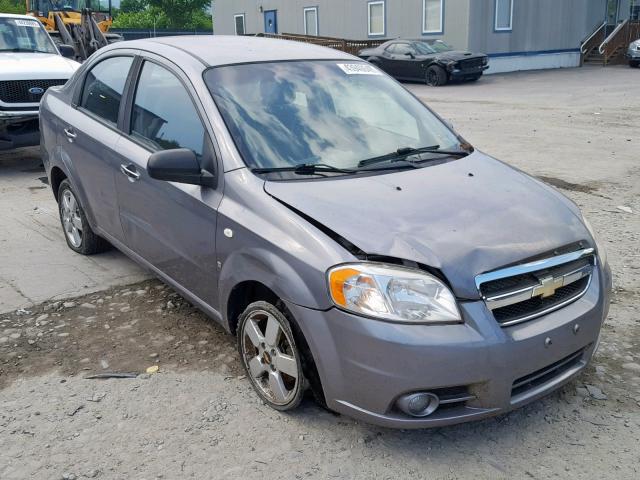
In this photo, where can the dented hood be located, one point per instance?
(464, 217)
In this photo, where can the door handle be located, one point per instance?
(70, 134)
(130, 171)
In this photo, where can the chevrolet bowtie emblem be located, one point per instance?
(548, 286)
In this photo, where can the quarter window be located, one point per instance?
(376, 18)
(164, 116)
(103, 87)
(311, 21)
(432, 16)
(504, 15)
(239, 24)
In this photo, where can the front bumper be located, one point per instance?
(633, 54)
(365, 365)
(461, 74)
(18, 128)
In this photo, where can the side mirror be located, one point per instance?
(410, 55)
(67, 51)
(179, 165)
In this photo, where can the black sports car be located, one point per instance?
(430, 61)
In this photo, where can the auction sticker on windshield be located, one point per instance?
(358, 69)
(27, 23)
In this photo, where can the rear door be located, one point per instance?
(89, 136)
(171, 225)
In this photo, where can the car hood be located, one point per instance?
(455, 55)
(463, 217)
(35, 66)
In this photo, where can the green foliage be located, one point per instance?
(13, 6)
(132, 6)
(178, 14)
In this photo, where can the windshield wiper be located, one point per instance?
(305, 169)
(403, 153)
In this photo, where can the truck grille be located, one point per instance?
(523, 292)
(17, 91)
(470, 63)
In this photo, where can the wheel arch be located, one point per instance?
(57, 176)
(247, 292)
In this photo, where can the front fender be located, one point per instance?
(261, 240)
(266, 267)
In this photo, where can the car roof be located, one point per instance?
(215, 50)
(16, 15)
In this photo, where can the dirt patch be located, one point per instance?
(120, 330)
(564, 185)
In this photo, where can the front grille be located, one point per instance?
(471, 63)
(523, 292)
(537, 305)
(546, 374)
(17, 91)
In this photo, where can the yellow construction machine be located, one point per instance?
(82, 24)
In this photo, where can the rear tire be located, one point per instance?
(436, 76)
(77, 232)
(634, 63)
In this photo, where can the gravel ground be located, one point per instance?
(197, 417)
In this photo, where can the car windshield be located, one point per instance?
(437, 46)
(24, 35)
(332, 112)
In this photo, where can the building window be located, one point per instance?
(376, 18)
(239, 23)
(311, 21)
(504, 15)
(432, 16)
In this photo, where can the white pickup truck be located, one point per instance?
(29, 64)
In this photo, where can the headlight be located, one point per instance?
(602, 252)
(392, 293)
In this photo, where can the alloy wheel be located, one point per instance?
(270, 358)
(71, 219)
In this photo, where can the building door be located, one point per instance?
(613, 10)
(271, 21)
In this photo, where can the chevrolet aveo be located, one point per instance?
(355, 245)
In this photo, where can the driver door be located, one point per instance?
(408, 64)
(170, 225)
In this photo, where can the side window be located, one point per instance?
(103, 87)
(403, 49)
(392, 48)
(163, 114)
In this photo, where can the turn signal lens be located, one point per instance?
(392, 293)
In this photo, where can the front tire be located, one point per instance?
(77, 232)
(270, 356)
(436, 76)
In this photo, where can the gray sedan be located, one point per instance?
(356, 246)
(633, 54)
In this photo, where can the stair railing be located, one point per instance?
(613, 41)
(591, 40)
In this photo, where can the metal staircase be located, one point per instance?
(608, 43)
